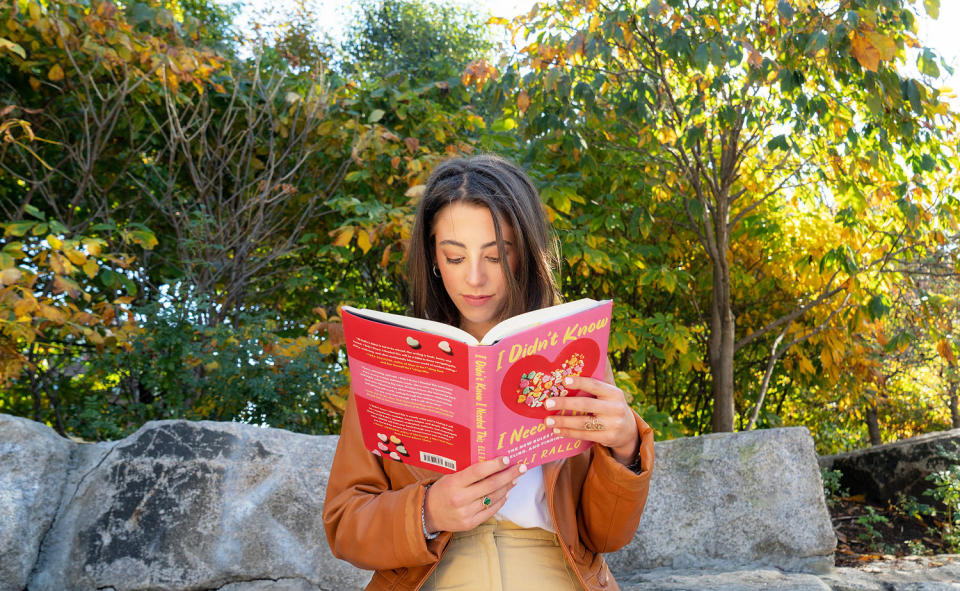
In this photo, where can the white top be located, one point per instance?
(527, 502)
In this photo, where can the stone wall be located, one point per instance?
(201, 505)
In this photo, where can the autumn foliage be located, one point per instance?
(765, 188)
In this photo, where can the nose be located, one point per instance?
(475, 274)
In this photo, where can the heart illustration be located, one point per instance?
(532, 380)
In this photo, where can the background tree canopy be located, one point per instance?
(766, 192)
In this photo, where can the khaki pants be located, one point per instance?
(502, 556)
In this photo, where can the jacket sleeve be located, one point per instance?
(367, 522)
(613, 496)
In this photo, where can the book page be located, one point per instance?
(422, 324)
(527, 320)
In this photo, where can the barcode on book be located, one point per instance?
(438, 460)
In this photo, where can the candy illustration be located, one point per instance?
(402, 450)
(445, 347)
(414, 343)
(383, 446)
(394, 455)
(535, 386)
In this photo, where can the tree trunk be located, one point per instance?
(722, 332)
(954, 407)
(873, 425)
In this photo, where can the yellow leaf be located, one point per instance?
(212, 366)
(946, 351)
(363, 241)
(55, 73)
(25, 306)
(344, 236)
(93, 336)
(864, 52)
(10, 276)
(667, 136)
(884, 45)
(91, 268)
(523, 101)
(50, 313)
(92, 245)
(415, 192)
(76, 257)
(54, 242)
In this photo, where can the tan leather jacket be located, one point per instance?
(372, 512)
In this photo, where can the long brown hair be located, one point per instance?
(508, 193)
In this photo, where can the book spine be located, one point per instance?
(480, 388)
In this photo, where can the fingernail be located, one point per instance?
(515, 482)
(523, 468)
(550, 404)
(568, 381)
(550, 422)
(506, 461)
(556, 430)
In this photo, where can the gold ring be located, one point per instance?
(593, 424)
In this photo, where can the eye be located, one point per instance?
(456, 261)
(493, 259)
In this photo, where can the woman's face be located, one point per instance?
(465, 244)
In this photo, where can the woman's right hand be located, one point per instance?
(455, 501)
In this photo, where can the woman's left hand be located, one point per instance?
(606, 419)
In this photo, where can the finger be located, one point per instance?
(581, 404)
(481, 470)
(503, 479)
(487, 512)
(598, 388)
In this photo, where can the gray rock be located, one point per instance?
(195, 505)
(767, 579)
(909, 573)
(34, 463)
(734, 499)
(880, 472)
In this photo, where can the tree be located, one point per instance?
(739, 117)
(425, 40)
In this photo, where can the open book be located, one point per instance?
(431, 395)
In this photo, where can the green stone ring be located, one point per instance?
(486, 501)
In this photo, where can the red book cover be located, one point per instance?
(430, 395)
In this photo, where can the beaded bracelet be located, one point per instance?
(423, 518)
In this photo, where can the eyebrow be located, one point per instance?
(462, 245)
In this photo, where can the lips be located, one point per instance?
(477, 300)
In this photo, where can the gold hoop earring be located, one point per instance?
(436, 271)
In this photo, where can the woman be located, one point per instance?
(481, 252)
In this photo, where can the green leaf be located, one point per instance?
(926, 63)
(875, 104)
(701, 57)
(144, 238)
(376, 115)
(932, 7)
(878, 307)
(785, 9)
(35, 212)
(913, 93)
(18, 228)
(15, 48)
(695, 207)
(778, 143)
